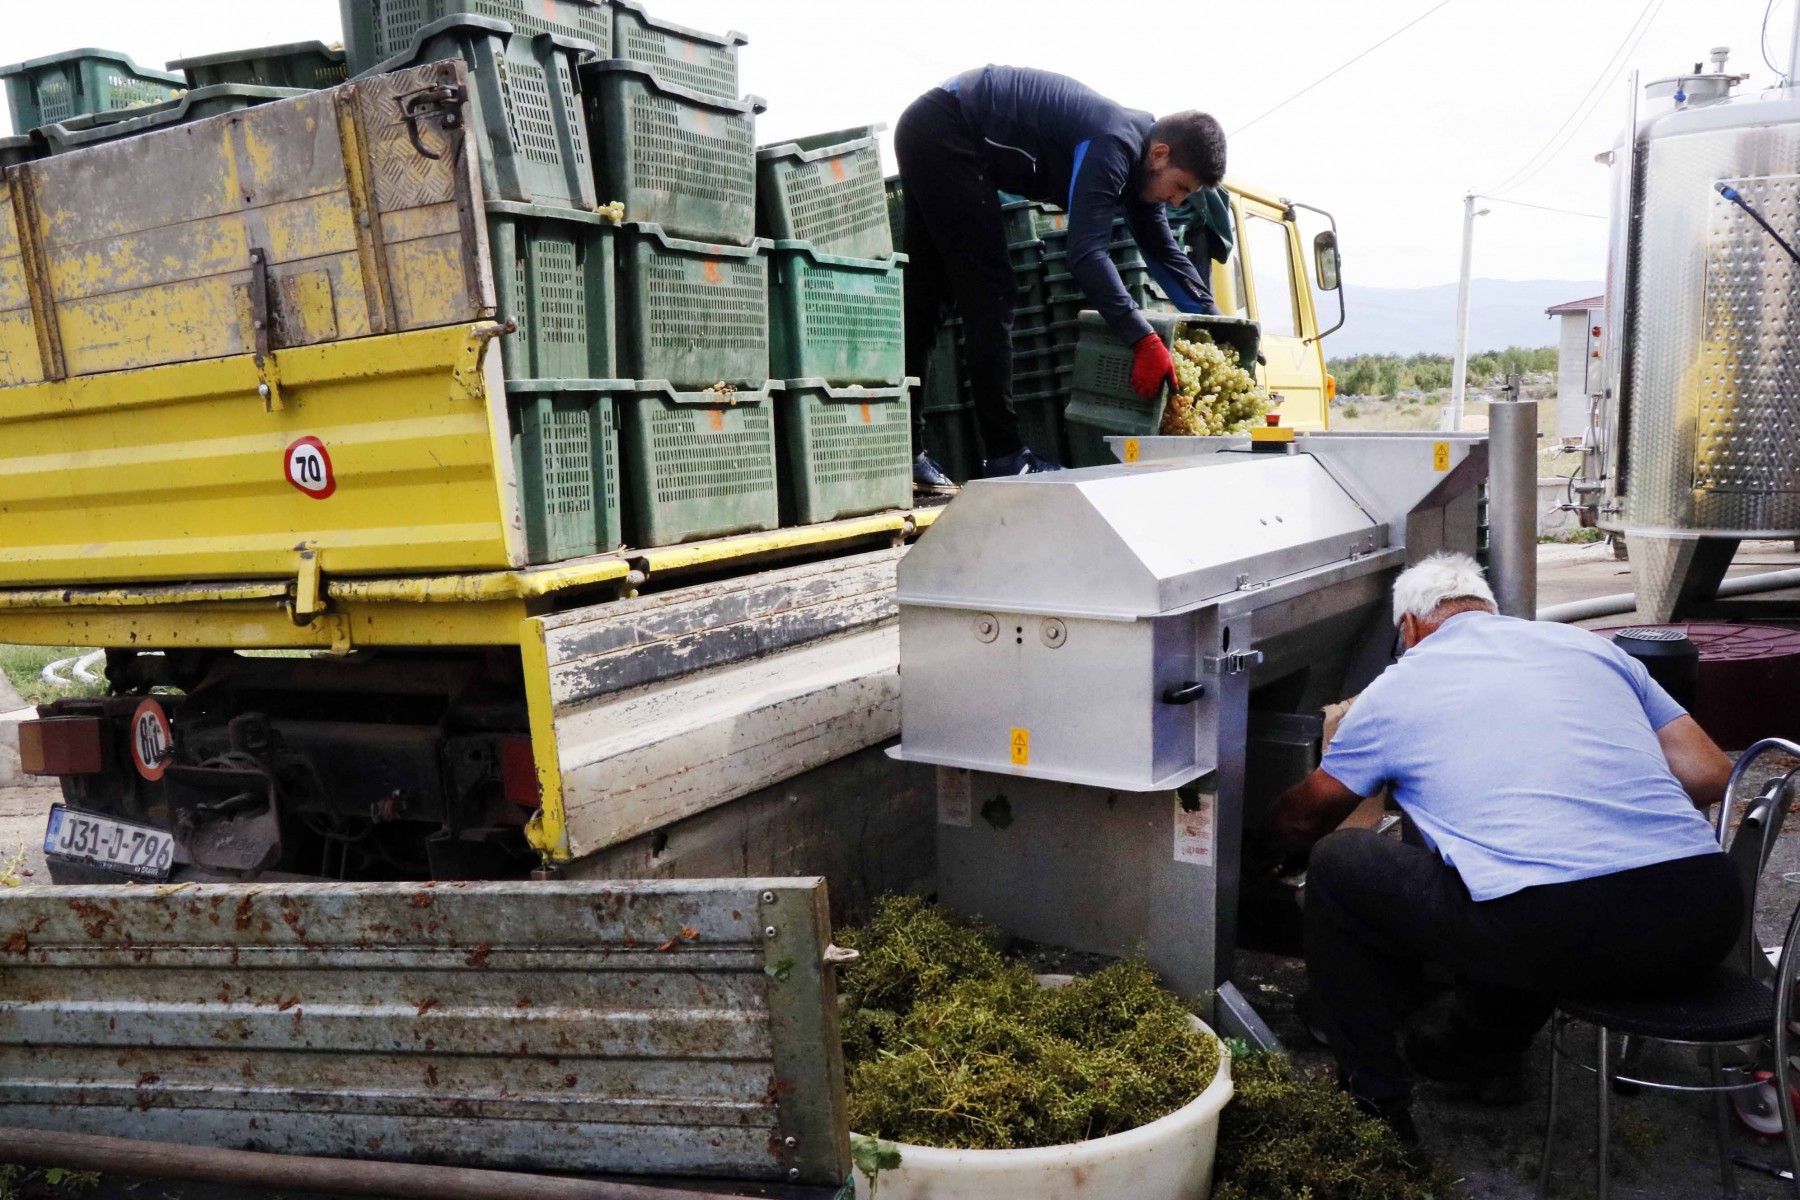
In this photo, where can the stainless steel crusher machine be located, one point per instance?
(1116, 669)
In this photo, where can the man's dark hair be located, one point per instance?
(1196, 143)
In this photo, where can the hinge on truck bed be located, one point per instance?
(308, 603)
(262, 319)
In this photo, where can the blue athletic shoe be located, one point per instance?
(929, 477)
(1020, 462)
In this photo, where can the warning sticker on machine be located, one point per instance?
(955, 798)
(1196, 828)
(1021, 747)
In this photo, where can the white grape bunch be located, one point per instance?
(1216, 394)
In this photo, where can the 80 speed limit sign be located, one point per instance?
(308, 468)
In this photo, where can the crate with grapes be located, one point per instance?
(1215, 360)
(1217, 395)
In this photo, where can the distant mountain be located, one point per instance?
(1502, 313)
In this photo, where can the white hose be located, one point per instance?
(51, 676)
(1625, 602)
(81, 671)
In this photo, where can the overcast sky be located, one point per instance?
(1460, 101)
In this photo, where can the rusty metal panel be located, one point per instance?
(669, 1028)
(145, 245)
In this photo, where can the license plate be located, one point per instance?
(103, 842)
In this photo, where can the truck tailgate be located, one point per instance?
(679, 1028)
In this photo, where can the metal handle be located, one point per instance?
(1183, 693)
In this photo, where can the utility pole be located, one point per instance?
(1459, 371)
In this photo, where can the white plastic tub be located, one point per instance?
(1168, 1159)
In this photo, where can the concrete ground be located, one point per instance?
(1663, 1145)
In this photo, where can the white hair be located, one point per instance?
(1421, 588)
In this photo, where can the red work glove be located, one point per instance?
(1152, 367)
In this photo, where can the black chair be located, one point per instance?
(1741, 1004)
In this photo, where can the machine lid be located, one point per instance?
(1124, 542)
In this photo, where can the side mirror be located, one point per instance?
(1325, 260)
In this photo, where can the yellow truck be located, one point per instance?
(254, 443)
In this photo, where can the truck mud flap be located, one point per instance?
(649, 1028)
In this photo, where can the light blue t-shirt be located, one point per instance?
(1525, 752)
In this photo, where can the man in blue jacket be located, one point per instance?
(1045, 137)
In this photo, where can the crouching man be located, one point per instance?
(1560, 794)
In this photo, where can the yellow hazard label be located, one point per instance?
(1440, 456)
(1131, 450)
(1021, 747)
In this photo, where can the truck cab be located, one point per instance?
(1270, 280)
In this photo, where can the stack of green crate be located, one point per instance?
(839, 328)
(92, 129)
(896, 207)
(1045, 334)
(946, 415)
(675, 147)
(58, 87)
(377, 30)
(308, 65)
(554, 256)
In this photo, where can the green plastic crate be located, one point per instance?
(896, 208)
(950, 437)
(674, 156)
(20, 149)
(845, 452)
(842, 320)
(1031, 220)
(1031, 330)
(1065, 299)
(1040, 417)
(48, 90)
(703, 62)
(1104, 404)
(698, 464)
(828, 190)
(692, 313)
(197, 105)
(524, 103)
(941, 387)
(377, 30)
(1028, 274)
(309, 65)
(565, 444)
(554, 275)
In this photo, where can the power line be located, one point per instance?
(1762, 41)
(1567, 212)
(1585, 106)
(1340, 67)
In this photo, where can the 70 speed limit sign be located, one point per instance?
(308, 467)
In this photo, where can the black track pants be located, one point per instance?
(957, 246)
(1377, 911)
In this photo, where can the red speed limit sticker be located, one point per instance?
(151, 741)
(308, 468)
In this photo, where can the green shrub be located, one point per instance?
(1351, 411)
